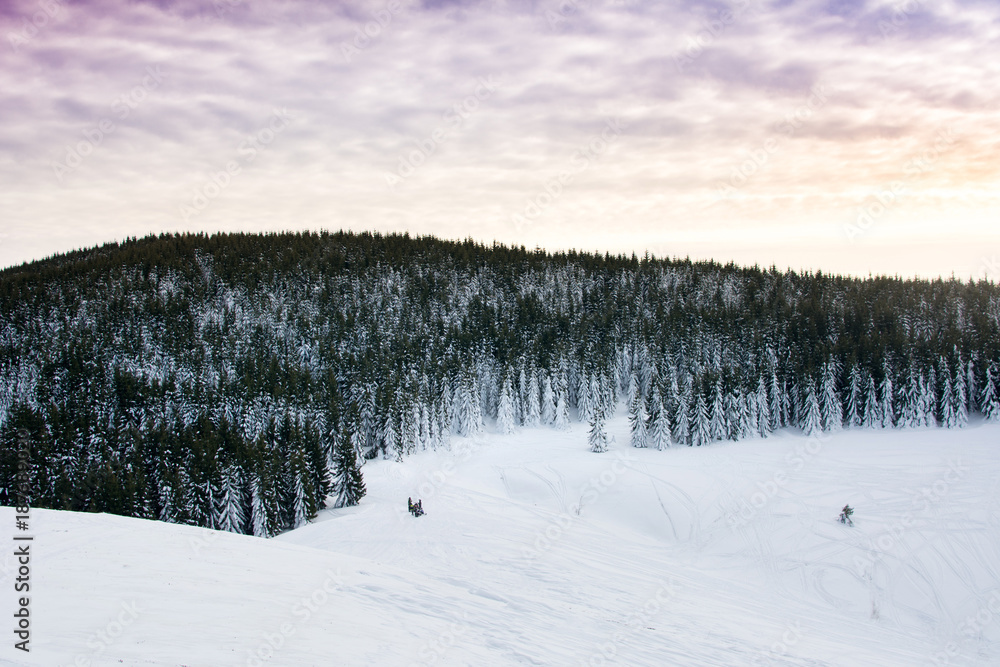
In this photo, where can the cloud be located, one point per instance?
(368, 83)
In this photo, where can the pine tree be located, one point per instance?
(548, 411)
(777, 403)
(764, 410)
(737, 419)
(886, 410)
(659, 423)
(909, 414)
(833, 411)
(811, 418)
(871, 418)
(470, 417)
(505, 409)
(854, 406)
(949, 402)
(260, 520)
(532, 412)
(682, 419)
(961, 397)
(717, 418)
(585, 401)
(990, 401)
(970, 385)
(390, 439)
(230, 511)
(598, 438)
(637, 419)
(562, 403)
(348, 483)
(426, 441)
(701, 433)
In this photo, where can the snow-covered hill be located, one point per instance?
(535, 551)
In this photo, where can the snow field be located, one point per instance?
(535, 551)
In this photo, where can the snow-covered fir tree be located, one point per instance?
(990, 400)
(855, 402)
(717, 414)
(871, 417)
(812, 420)
(548, 405)
(348, 484)
(637, 418)
(886, 411)
(659, 423)
(597, 437)
(505, 408)
(701, 433)
(832, 409)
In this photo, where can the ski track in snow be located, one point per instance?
(671, 560)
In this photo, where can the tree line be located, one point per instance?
(239, 381)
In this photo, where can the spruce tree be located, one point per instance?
(949, 402)
(637, 420)
(717, 418)
(811, 418)
(548, 407)
(763, 409)
(990, 401)
(597, 438)
(855, 409)
(871, 417)
(505, 408)
(887, 410)
(682, 418)
(659, 423)
(961, 397)
(701, 433)
(833, 411)
(348, 482)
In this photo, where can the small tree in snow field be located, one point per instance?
(845, 515)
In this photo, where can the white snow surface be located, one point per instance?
(536, 551)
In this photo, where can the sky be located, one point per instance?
(849, 136)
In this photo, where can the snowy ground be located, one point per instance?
(535, 551)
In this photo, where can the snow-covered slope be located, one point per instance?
(534, 551)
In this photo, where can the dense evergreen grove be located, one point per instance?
(239, 381)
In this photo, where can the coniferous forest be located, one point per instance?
(240, 381)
